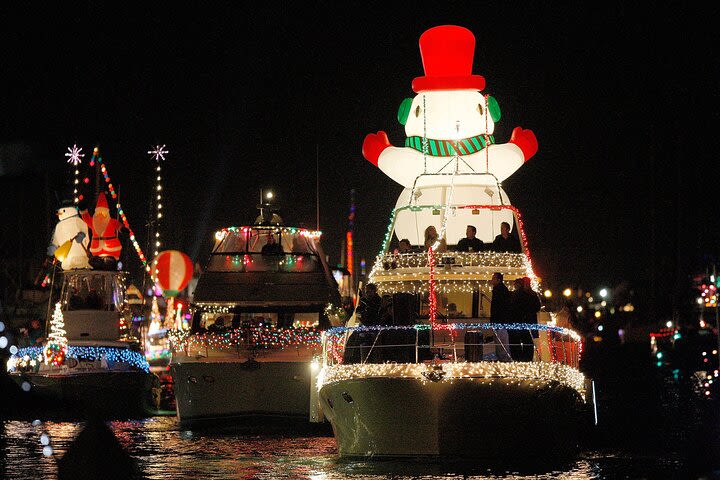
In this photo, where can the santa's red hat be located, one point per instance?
(447, 55)
(102, 202)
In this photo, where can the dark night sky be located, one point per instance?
(624, 103)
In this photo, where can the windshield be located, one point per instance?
(93, 291)
(265, 249)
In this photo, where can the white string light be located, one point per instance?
(75, 159)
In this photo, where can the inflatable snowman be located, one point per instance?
(70, 228)
(450, 155)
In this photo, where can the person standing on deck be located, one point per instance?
(499, 310)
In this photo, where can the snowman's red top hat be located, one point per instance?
(447, 55)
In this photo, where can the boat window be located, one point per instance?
(411, 223)
(92, 292)
(254, 239)
(234, 241)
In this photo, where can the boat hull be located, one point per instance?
(251, 393)
(103, 394)
(463, 418)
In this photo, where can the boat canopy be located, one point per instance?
(269, 266)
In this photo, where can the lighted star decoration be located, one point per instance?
(159, 153)
(75, 157)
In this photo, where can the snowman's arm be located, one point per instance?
(501, 160)
(402, 164)
(54, 244)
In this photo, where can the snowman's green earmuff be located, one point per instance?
(404, 110)
(494, 108)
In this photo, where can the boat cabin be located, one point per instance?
(94, 305)
(264, 275)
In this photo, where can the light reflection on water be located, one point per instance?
(164, 451)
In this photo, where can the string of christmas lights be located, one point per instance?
(392, 261)
(75, 159)
(103, 168)
(313, 234)
(537, 373)
(431, 286)
(264, 337)
(158, 154)
(551, 338)
(88, 353)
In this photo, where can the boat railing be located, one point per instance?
(450, 259)
(455, 342)
(244, 339)
(406, 266)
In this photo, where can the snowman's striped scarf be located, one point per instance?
(446, 148)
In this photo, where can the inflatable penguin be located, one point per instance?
(105, 244)
(450, 118)
(70, 228)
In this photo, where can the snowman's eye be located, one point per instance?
(480, 108)
(417, 111)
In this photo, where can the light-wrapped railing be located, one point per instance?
(246, 338)
(28, 359)
(448, 351)
(456, 271)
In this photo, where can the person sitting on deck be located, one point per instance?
(470, 243)
(271, 247)
(505, 242)
(94, 300)
(404, 246)
(76, 302)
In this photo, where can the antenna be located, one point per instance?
(317, 187)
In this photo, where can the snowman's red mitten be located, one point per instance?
(525, 139)
(374, 144)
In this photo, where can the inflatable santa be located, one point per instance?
(450, 153)
(70, 236)
(105, 243)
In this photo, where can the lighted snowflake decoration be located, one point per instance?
(75, 157)
(159, 153)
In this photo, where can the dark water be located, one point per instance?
(164, 451)
(651, 427)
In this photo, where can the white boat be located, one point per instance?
(258, 316)
(104, 371)
(434, 384)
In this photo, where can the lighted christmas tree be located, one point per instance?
(56, 348)
(170, 313)
(154, 317)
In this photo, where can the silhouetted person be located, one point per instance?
(505, 242)
(93, 300)
(404, 246)
(470, 243)
(524, 305)
(369, 307)
(96, 453)
(271, 247)
(75, 302)
(36, 334)
(499, 311)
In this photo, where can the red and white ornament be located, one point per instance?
(172, 270)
